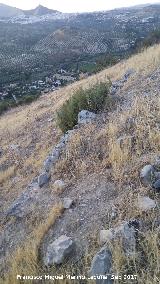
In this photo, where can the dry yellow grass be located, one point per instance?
(28, 125)
(5, 175)
(25, 260)
(144, 263)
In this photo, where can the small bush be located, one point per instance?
(8, 104)
(93, 99)
(27, 99)
(3, 107)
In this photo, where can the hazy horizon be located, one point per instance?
(76, 6)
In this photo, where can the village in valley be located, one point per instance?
(50, 83)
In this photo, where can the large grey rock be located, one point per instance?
(128, 236)
(59, 250)
(145, 203)
(125, 232)
(85, 116)
(156, 185)
(43, 179)
(147, 175)
(102, 265)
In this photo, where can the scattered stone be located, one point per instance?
(157, 175)
(67, 203)
(14, 147)
(128, 73)
(64, 138)
(102, 265)
(125, 232)
(43, 179)
(124, 141)
(157, 163)
(1, 152)
(60, 145)
(130, 123)
(50, 119)
(113, 90)
(145, 203)
(86, 116)
(59, 185)
(117, 84)
(105, 236)
(120, 83)
(48, 163)
(34, 181)
(75, 127)
(114, 213)
(55, 155)
(156, 185)
(59, 250)
(147, 174)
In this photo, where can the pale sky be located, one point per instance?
(76, 5)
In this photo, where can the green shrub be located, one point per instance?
(3, 106)
(27, 99)
(93, 99)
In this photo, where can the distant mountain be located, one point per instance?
(39, 11)
(9, 12)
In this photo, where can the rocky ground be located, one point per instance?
(106, 176)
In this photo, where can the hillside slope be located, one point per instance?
(100, 168)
